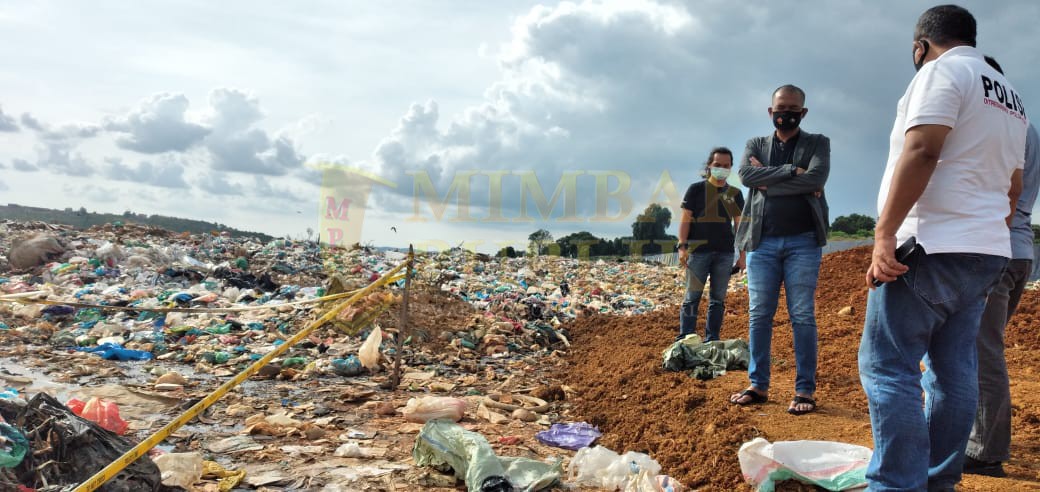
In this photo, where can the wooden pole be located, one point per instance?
(402, 330)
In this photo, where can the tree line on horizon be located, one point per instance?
(649, 237)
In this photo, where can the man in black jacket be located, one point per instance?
(784, 229)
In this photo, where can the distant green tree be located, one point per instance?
(583, 245)
(854, 224)
(540, 241)
(507, 252)
(1036, 234)
(649, 231)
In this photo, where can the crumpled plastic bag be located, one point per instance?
(101, 412)
(602, 467)
(114, 351)
(228, 479)
(369, 353)
(831, 465)
(572, 436)
(442, 443)
(706, 360)
(429, 408)
(644, 481)
(13, 446)
(179, 469)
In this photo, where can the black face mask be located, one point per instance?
(787, 120)
(919, 62)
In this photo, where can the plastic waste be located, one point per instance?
(228, 479)
(469, 455)
(645, 481)
(573, 436)
(180, 469)
(602, 467)
(9, 394)
(216, 357)
(294, 362)
(13, 446)
(101, 412)
(706, 360)
(429, 408)
(350, 366)
(831, 465)
(77, 448)
(369, 352)
(114, 351)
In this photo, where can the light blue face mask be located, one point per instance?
(720, 173)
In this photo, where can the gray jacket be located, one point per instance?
(812, 153)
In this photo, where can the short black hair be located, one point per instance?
(993, 63)
(711, 155)
(946, 25)
(790, 88)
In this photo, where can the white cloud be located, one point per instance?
(164, 175)
(157, 125)
(237, 145)
(58, 156)
(7, 123)
(217, 183)
(24, 166)
(31, 122)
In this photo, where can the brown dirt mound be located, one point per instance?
(692, 430)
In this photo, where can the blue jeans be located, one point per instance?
(795, 262)
(931, 313)
(701, 264)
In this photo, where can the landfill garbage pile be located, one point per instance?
(197, 309)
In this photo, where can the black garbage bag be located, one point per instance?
(245, 280)
(67, 450)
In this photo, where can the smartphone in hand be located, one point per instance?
(903, 252)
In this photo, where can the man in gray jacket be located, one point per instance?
(783, 230)
(989, 444)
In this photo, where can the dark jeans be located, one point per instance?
(699, 266)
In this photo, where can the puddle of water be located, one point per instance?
(30, 380)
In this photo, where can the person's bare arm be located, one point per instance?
(920, 156)
(684, 233)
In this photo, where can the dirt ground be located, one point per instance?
(691, 429)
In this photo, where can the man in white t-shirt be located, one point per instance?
(953, 173)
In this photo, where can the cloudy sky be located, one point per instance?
(222, 110)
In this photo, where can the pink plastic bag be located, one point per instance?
(434, 407)
(101, 412)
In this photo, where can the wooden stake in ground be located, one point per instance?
(402, 330)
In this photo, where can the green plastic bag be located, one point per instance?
(444, 443)
(13, 446)
(706, 360)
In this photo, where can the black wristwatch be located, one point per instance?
(681, 246)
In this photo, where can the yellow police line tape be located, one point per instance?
(143, 447)
(27, 298)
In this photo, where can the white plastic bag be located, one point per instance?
(831, 465)
(601, 467)
(180, 469)
(434, 407)
(369, 353)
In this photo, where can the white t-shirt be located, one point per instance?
(965, 203)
